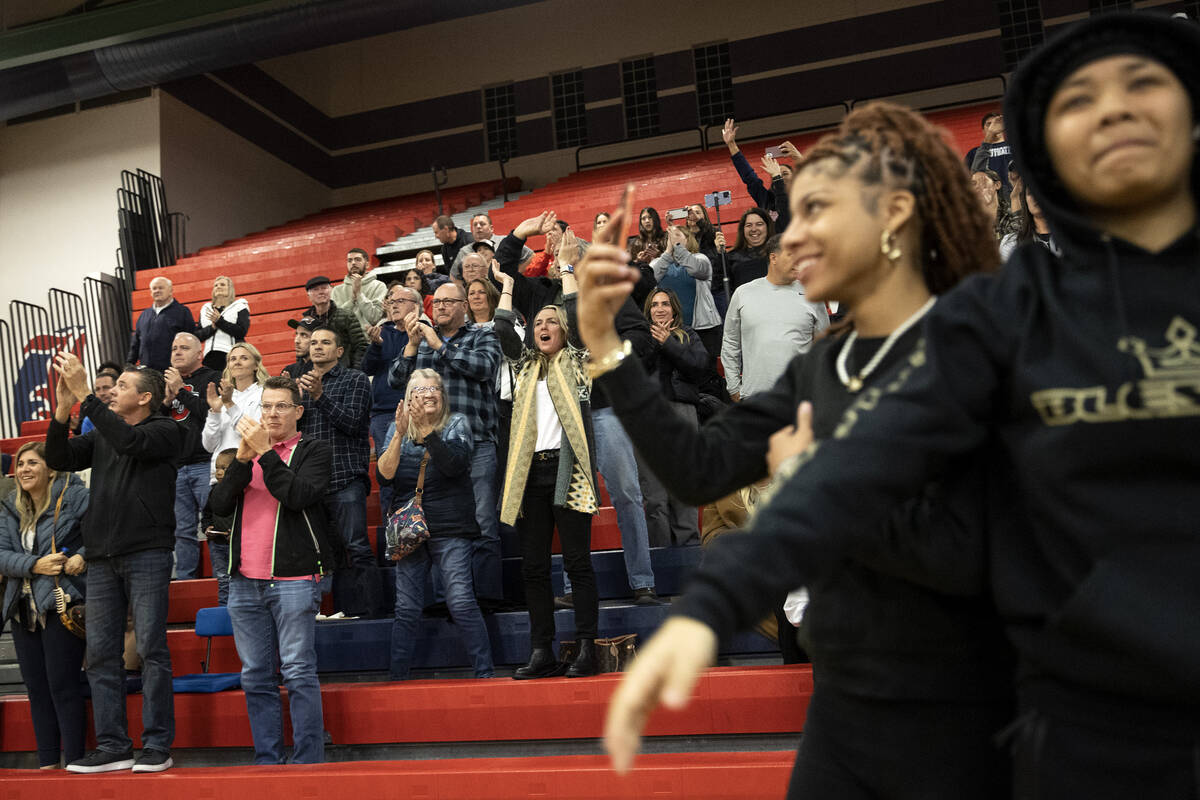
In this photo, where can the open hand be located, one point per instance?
(375, 334)
(660, 332)
(72, 374)
(535, 225)
(729, 135)
(503, 278)
(771, 165)
(213, 397)
(213, 315)
(791, 152)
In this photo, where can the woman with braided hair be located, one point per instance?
(1076, 376)
(901, 633)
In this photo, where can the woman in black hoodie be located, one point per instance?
(900, 636)
(1084, 370)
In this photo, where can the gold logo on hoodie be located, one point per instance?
(1171, 387)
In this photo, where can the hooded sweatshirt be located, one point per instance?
(1085, 371)
(368, 306)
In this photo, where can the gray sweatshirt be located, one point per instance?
(765, 327)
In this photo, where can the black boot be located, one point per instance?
(542, 664)
(585, 660)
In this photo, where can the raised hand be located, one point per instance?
(719, 240)
(660, 332)
(375, 333)
(401, 420)
(505, 280)
(72, 374)
(791, 152)
(227, 392)
(549, 222)
(792, 440)
(605, 281)
(532, 226)
(174, 383)
(568, 248)
(214, 398)
(729, 136)
(675, 235)
(771, 165)
(213, 315)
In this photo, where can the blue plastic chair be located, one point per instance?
(210, 622)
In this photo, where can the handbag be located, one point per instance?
(612, 655)
(72, 615)
(406, 528)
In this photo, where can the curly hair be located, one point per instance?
(887, 145)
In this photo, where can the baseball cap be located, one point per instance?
(308, 323)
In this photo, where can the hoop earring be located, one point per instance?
(888, 246)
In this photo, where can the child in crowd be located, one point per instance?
(216, 528)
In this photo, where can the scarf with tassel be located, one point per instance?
(574, 489)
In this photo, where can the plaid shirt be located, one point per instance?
(468, 363)
(341, 417)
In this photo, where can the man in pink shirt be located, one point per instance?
(278, 552)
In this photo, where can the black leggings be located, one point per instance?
(861, 748)
(50, 660)
(536, 528)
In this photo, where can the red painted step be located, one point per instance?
(727, 700)
(664, 776)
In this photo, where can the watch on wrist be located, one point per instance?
(569, 269)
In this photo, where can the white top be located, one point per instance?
(549, 429)
(220, 428)
(766, 326)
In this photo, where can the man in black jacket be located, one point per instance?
(279, 552)
(453, 239)
(128, 533)
(187, 386)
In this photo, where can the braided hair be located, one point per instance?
(893, 147)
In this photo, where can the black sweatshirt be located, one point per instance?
(919, 627)
(1086, 371)
(132, 500)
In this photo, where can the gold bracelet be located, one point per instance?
(609, 362)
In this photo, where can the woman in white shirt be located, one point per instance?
(240, 395)
(224, 321)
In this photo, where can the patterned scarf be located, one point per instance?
(565, 377)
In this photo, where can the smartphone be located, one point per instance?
(776, 153)
(714, 199)
(677, 214)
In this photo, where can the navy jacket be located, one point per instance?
(153, 334)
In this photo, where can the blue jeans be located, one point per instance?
(485, 561)
(270, 618)
(116, 586)
(191, 493)
(452, 556)
(356, 588)
(617, 465)
(218, 556)
(381, 424)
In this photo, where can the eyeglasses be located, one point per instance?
(445, 301)
(426, 390)
(271, 408)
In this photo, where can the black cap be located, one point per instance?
(308, 323)
(315, 281)
(482, 243)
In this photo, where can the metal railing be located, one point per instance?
(632, 143)
(9, 425)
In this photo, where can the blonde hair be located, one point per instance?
(260, 372)
(28, 509)
(543, 359)
(443, 418)
(232, 291)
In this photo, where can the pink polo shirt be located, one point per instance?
(260, 513)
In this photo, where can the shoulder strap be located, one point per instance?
(421, 475)
(57, 511)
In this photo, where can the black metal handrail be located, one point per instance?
(654, 154)
(9, 425)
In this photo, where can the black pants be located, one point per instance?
(1107, 752)
(789, 644)
(857, 748)
(50, 660)
(536, 528)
